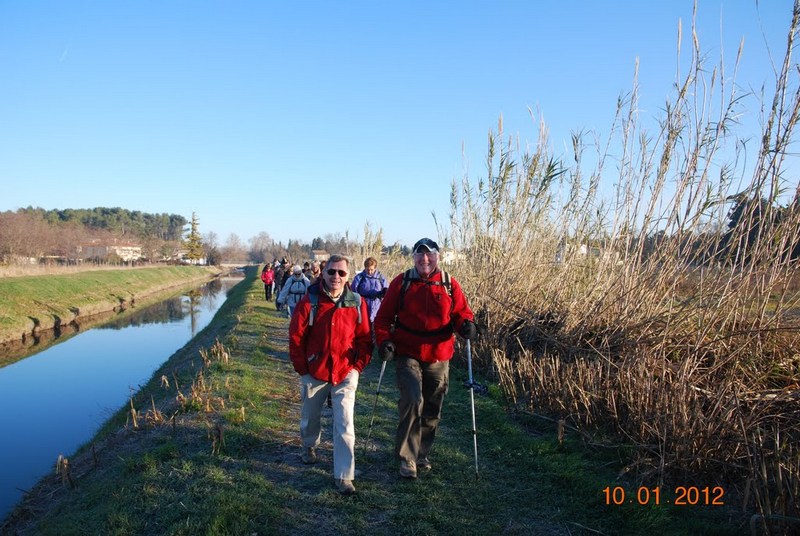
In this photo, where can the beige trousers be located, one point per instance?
(314, 393)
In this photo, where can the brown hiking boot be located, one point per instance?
(408, 469)
(424, 464)
(309, 456)
(345, 486)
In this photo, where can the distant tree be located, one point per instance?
(298, 252)
(748, 220)
(151, 248)
(261, 247)
(120, 221)
(211, 249)
(233, 250)
(193, 242)
(14, 236)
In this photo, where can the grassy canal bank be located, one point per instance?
(29, 304)
(210, 446)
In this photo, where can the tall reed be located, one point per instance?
(617, 297)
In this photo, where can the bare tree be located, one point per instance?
(260, 247)
(234, 249)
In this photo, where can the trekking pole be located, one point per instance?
(374, 405)
(472, 402)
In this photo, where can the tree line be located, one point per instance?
(119, 221)
(36, 233)
(755, 231)
(262, 248)
(29, 234)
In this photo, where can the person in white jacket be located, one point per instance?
(293, 290)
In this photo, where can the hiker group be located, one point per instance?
(334, 327)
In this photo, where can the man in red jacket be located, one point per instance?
(329, 345)
(416, 321)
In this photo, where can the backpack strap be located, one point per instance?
(314, 300)
(357, 300)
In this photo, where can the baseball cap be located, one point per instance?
(425, 244)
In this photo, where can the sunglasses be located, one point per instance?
(341, 273)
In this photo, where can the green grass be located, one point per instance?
(46, 301)
(164, 479)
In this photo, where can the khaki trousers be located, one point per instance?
(422, 388)
(314, 393)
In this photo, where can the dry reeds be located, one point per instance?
(217, 353)
(63, 470)
(664, 308)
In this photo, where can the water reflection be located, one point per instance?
(58, 398)
(173, 309)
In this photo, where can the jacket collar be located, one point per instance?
(346, 299)
(416, 275)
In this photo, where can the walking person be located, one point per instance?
(329, 345)
(372, 286)
(314, 273)
(415, 324)
(293, 290)
(268, 277)
(280, 270)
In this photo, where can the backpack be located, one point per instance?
(314, 300)
(408, 278)
(293, 286)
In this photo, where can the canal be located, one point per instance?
(55, 400)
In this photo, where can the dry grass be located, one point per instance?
(20, 270)
(635, 308)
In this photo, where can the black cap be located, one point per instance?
(425, 244)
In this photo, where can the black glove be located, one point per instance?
(387, 350)
(468, 329)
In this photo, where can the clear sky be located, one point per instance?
(303, 119)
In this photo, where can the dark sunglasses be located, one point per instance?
(341, 273)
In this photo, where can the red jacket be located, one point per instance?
(336, 344)
(424, 326)
(267, 276)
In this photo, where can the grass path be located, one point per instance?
(227, 460)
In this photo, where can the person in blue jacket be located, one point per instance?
(371, 285)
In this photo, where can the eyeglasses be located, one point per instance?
(429, 254)
(341, 273)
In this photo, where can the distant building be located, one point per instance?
(126, 251)
(566, 251)
(18, 259)
(449, 255)
(319, 255)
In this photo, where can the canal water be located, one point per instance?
(54, 401)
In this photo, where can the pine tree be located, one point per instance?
(193, 242)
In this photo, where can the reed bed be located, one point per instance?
(647, 283)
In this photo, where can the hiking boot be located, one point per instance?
(345, 486)
(408, 469)
(309, 456)
(424, 464)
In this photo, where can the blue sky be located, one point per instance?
(313, 118)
